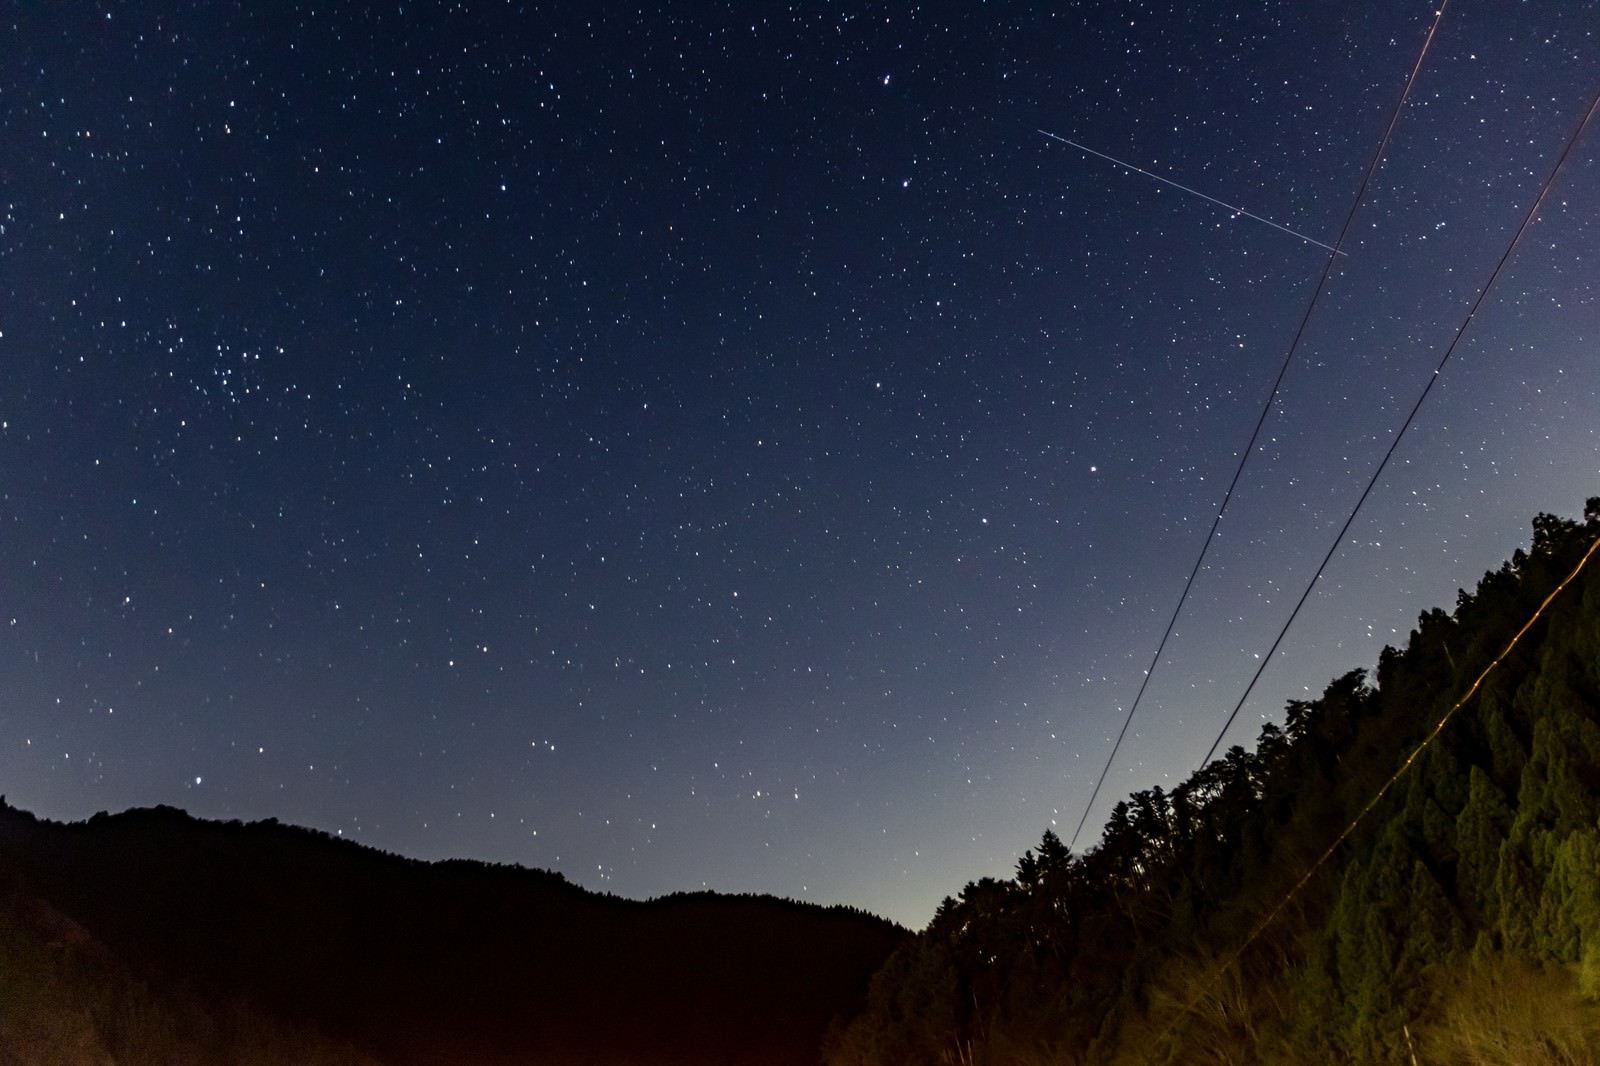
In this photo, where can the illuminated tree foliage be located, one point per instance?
(1459, 922)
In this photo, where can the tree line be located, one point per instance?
(1458, 923)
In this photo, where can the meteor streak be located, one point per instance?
(1192, 192)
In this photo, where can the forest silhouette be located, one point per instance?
(1265, 910)
(1458, 922)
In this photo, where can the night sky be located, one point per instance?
(723, 447)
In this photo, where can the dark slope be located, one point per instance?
(68, 1000)
(419, 963)
(1458, 923)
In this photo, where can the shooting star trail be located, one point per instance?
(1192, 192)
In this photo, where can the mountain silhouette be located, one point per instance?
(409, 963)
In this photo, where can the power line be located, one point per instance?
(1255, 434)
(1483, 293)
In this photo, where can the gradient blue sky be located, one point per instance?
(706, 446)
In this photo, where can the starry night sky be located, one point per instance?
(717, 446)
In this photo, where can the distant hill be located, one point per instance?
(282, 944)
(67, 1000)
(1458, 921)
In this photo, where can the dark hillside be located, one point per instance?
(419, 963)
(66, 999)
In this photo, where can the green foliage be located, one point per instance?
(1499, 1010)
(1459, 922)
